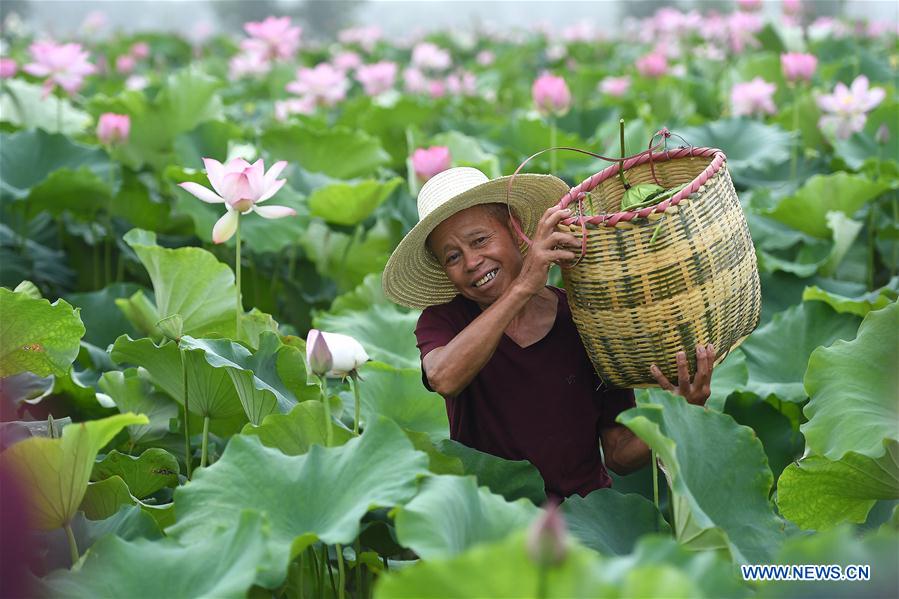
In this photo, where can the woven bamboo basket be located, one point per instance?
(637, 301)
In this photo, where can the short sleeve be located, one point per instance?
(432, 331)
(613, 402)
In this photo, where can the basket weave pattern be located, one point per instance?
(637, 302)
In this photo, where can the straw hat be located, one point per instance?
(413, 277)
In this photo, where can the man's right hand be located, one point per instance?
(548, 246)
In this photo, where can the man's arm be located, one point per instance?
(623, 451)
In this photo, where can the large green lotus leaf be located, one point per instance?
(80, 193)
(337, 151)
(154, 469)
(438, 463)
(297, 431)
(775, 423)
(467, 151)
(291, 366)
(322, 494)
(220, 565)
(610, 522)
(104, 498)
(128, 522)
(57, 470)
(388, 122)
(101, 317)
(781, 290)
(777, 354)
(258, 234)
(348, 259)
(854, 390)
(718, 473)
(188, 281)
(210, 390)
(859, 305)
(398, 394)
(451, 514)
(748, 144)
(350, 203)
(139, 203)
(817, 493)
(366, 294)
(133, 393)
(521, 137)
(727, 377)
(843, 547)
(209, 139)
(511, 479)
(386, 332)
(499, 570)
(807, 209)
(29, 157)
(37, 336)
(23, 105)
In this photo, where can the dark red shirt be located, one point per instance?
(543, 403)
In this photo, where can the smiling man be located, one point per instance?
(500, 345)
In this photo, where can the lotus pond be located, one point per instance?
(161, 435)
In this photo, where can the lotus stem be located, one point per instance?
(552, 143)
(358, 548)
(318, 582)
(205, 441)
(794, 159)
(541, 582)
(341, 573)
(895, 245)
(329, 433)
(327, 559)
(186, 417)
(357, 406)
(624, 182)
(237, 307)
(300, 577)
(871, 250)
(655, 485)
(73, 546)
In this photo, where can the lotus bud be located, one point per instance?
(882, 136)
(113, 128)
(551, 94)
(172, 327)
(546, 541)
(318, 355)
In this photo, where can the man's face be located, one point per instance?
(478, 254)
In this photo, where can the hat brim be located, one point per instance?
(414, 278)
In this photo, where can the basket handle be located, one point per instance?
(663, 132)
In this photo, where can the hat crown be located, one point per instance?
(446, 185)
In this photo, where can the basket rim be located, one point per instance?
(577, 193)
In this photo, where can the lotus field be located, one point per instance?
(205, 392)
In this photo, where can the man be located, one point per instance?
(500, 345)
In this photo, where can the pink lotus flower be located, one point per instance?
(485, 58)
(113, 128)
(428, 56)
(755, 97)
(347, 61)
(125, 63)
(65, 65)
(551, 95)
(365, 37)
(547, 543)
(140, 50)
(136, 82)
(798, 66)
(274, 38)
(241, 187)
(847, 108)
(427, 162)
(324, 83)
(742, 27)
(462, 83)
(652, 65)
(436, 88)
(749, 5)
(791, 7)
(377, 78)
(302, 105)
(8, 68)
(94, 22)
(247, 63)
(615, 86)
(582, 31)
(414, 81)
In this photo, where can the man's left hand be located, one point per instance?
(699, 390)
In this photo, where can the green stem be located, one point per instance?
(95, 252)
(552, 143)
(358, 549)
(186, 417)
(895, 243)
(205, 441)
(73, 546)
(329, 433)
(300, 577)
(327, 559)
(871, 224)
(341, 572)
(794, 159)
(357, 406)
(655, 485)
(621, 178)
(541, 582)
(316, 573)
(237, 308)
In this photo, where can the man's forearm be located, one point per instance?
(626, 452)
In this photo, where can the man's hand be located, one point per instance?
(698, 391)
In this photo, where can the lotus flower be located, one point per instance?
(615, 86)
(136, 82)
(140, 50)
(461, 83)
(742, 27)
(427, 162)
(654, 64)
(113, 128)
(247, 63)
(791, 7)
(431, 57)
(847, 108)
(125, 64)
(798, 66)
(274, 38)
(377, 78)
(8, 68)
(546, 540)
(414, 81)
(333, 354)
(485, 58)
(285, 108)
(749, 5)
(241, 187)
(65, 65)
(755, 97)
(326, 84)
(347, 61)
(551, 95)
(365, 37)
